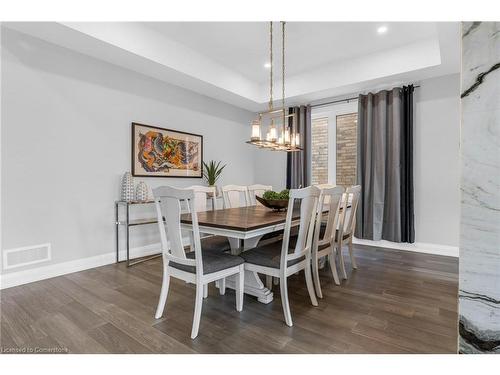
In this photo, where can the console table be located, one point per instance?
(127, 224)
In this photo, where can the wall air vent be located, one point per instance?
(25, 256)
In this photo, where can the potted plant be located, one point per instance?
(212, 171)
(275, 200)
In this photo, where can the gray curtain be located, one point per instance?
(385, 166)
(298, 166)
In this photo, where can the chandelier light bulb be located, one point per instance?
(255, 131)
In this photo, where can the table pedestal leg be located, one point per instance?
(253, 284)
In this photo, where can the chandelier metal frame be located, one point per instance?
(279, 137)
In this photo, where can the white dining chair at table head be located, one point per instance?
(201, 196)
(258, 190)
(235, 196)
(195, 267)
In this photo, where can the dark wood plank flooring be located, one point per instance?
(396, 302)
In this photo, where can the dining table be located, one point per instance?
(244, 227)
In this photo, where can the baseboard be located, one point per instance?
(418, 247)
(12, 279)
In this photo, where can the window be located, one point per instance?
(346, 149)
(319, 150)
(333, 144)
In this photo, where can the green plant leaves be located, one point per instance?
(212, 171)
(274, 195)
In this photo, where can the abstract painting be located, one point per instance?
(158, 152)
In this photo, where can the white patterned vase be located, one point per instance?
(141, 191)
(127, 187)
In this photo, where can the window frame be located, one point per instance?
(331, 112)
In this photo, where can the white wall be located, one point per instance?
(270, 168)
(66, 142)
(436, 164)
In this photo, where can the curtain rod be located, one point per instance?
(342, 100)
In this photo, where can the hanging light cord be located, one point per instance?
(283, 75)
(271, 61)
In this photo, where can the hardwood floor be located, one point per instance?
(396, 302)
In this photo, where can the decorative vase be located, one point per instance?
(210, 195)
(141, 192)
(127, 187)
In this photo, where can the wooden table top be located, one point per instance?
(242, 219)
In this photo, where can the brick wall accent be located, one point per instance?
(346, 149)
(319, 150)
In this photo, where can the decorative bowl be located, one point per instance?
(275, 204)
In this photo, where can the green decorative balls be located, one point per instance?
(274, 195)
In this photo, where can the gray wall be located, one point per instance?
(270, 168)
(437, 164)
(66, 142)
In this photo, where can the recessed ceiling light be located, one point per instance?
(382, 30)
(267, 65)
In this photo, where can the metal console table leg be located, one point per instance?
(127, 224)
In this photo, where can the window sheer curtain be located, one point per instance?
(298, 164)
(385, 166)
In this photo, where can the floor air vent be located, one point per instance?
(25, 256)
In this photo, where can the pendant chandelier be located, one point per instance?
(281, 126)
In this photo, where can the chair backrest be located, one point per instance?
(201, 195)
(348, 218)
(330, 201)
(258, 190)
(235, 196)
(308, 199)
(325, 186)
(168, 205)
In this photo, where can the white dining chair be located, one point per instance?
(196, 267)
(278, 259)
(201, 195)
(209, 242)
(330, 202)
(258, 190)
(235, 196)
(345, 232)
(325, 186)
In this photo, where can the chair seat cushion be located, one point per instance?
(268, 255)
(215, 243)
(212, 262)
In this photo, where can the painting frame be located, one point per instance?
(135, 153)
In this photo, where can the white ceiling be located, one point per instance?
(244, 46)
(225, 60)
